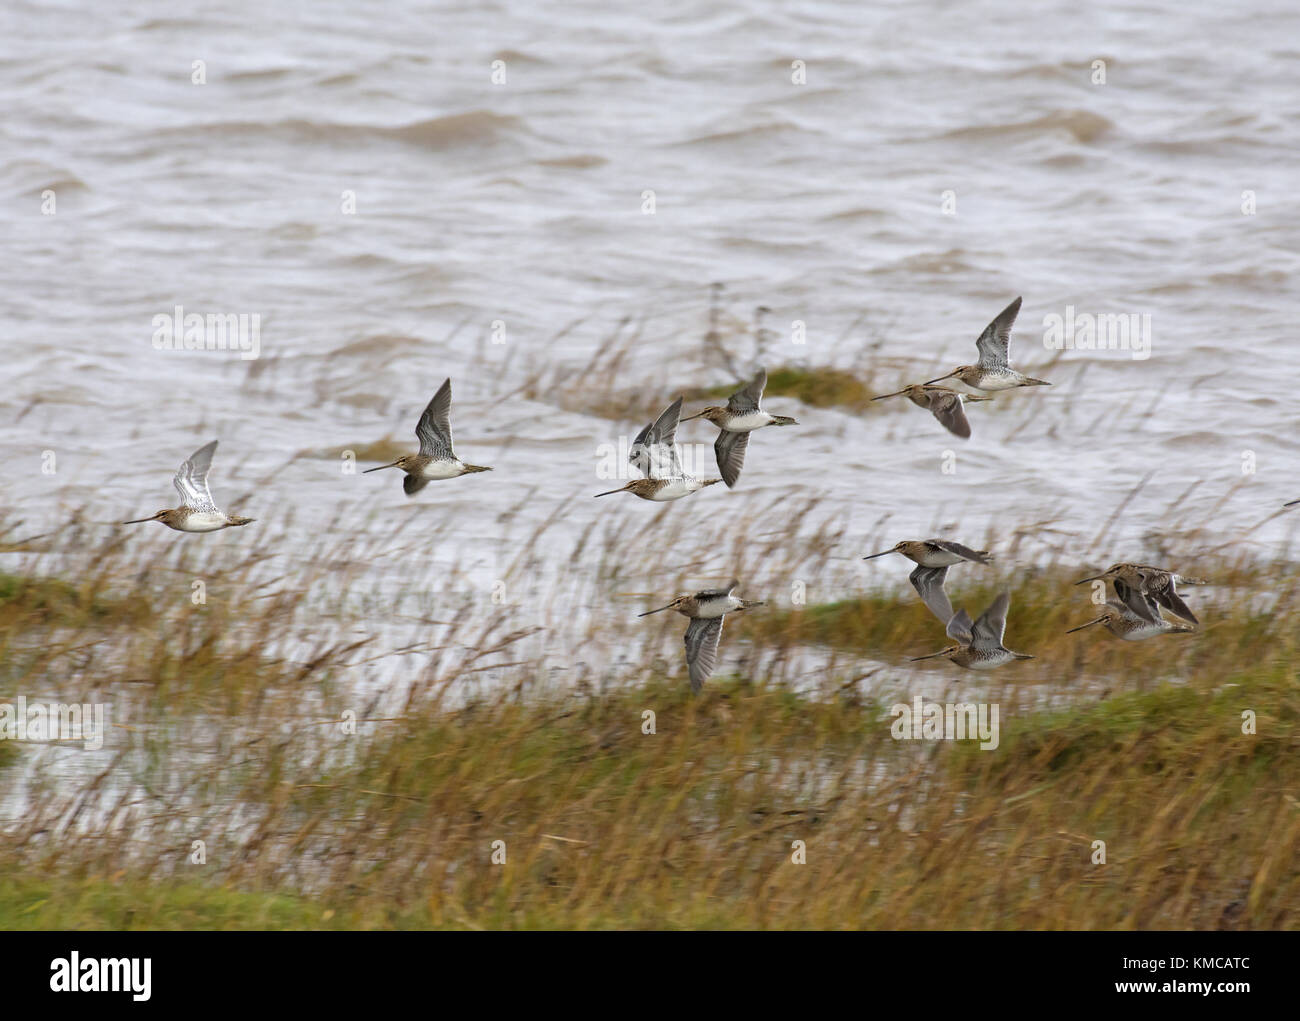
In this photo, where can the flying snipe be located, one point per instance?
(942, 402)
(993, 371)
(436, 459)
(737, 420)
(654, 454)
(1134, 583)
(979, 645)
(198, 512)
(933, 557)
(1122, 622)
(706, 610)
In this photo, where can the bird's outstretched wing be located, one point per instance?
(191, 480)
(1135, 601)
(639, 456)
(654, 451)
(1161, 588)
(412, 484)
(928, 582)
(718, 593)
(702, 649)
(995, 342)
(956, 548)
(959, 627)
(747, 398)
(434, 428)
(992, 624)
(729, 448)
(947, 409)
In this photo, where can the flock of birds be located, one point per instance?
(1141, 591)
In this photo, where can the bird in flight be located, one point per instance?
(436, 459)
(742, 415)
(654, 455)
(197, 512)
(706, 610)
(993, 371)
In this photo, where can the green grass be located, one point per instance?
(892, 626)
(54, 601)
(607, 827)
(820, 387)
(96, 902)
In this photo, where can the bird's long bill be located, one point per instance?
(1291, 504)
(880, 554)
(698, 414)
(612, 491)
(939, 380)
(933, 655)
(896, 393)
(1082, 626)
(660, 610)
(1095, 577)
(137, 521)
(380, 468)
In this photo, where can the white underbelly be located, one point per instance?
(718, 607)
(992, 663)
(999, 382)
(205, 521)
(748, 422)
(939, 559)
(1140, 633)
(675, 489)
(442, 470)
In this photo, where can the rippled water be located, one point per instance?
(523, 202)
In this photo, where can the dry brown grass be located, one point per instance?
(232, 714)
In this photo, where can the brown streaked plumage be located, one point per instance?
(660, 490)
(198, 512)
(933, 557)
(979, 645)
(1122, 622)
(706, 610)
(935, 552)
(741, 416)
(654, 454)
(707, 603)
(437, 459)
(944, 403)
(993, 371)
(1133, 583)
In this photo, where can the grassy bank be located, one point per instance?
(232, 724)
(1236, 628)
(606, 826)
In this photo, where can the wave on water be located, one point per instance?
(765, 133)
(473, 128)
(381, 343)
(1084, 125)
(579, 161)
(26, 177)
(951, 261)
